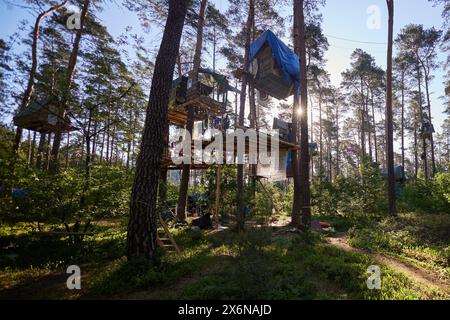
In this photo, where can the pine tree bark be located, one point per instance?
(303, 180)
(33, 147)
(296, 205)
(389, 113)
(142, 231)
(403, 122)
(40, 155)
(424, 142)
(375, 142)
(427, 92)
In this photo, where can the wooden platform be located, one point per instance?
(167, 162)
(205, 107)
(42, 116)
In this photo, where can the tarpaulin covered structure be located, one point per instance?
(275, 67)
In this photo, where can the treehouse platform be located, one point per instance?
(208, 96)
(204, 108)
(284, 148)
(42, 117)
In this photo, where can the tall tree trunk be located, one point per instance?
(369, 131)
(427, 92)
(304, 183)
(48, 152)
(67, 149)
(102, 147)
(299, 38)
(29, 148)
(184, 184)
(253, 125)
(142, 232)
(311, 132)
(32, 75)
(416, 151)
(403, 123)
(129, 143)
(389, 113)
(321, 171)
(94, 142)
(66, 92)
(33, 147)
(375, 143)
(108, 133)
(113, 141)
(424, 142)
(363, 125)
(40, 156)
(338, 155)
(240, 167)
(87, 163)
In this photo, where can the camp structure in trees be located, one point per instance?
(42, 116)
(274, 66)
(208, 96)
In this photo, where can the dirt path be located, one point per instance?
(412, 272)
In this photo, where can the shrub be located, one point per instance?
(430, 197)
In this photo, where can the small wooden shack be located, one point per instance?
(267, 75)
(42, 116)
(208, 96)
(275, 68)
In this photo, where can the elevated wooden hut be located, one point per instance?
(42, 116)
(275, 68)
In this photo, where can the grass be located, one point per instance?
(420, 239)
(214, 265)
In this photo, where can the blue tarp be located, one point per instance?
(287, 61)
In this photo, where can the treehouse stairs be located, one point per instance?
(165, 239)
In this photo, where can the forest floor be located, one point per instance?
(275, 262)
(423, 276)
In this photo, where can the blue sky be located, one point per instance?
(341, 19)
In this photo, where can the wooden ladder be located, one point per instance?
(165, 239)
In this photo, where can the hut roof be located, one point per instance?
(40, 116)
(287, 61)
(34, 106)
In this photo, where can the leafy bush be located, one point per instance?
(358, 196)
(65, 198)
(431, 197)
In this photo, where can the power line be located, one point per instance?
(352, 49)
(357, 41)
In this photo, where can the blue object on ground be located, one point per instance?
(17, 193)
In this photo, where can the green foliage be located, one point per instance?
(53, 251)
(6, 155)
(359, 196)
(430, 197)
(419, 238)
(227, 188)
(65, 197)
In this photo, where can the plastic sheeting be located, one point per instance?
(287, 61)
